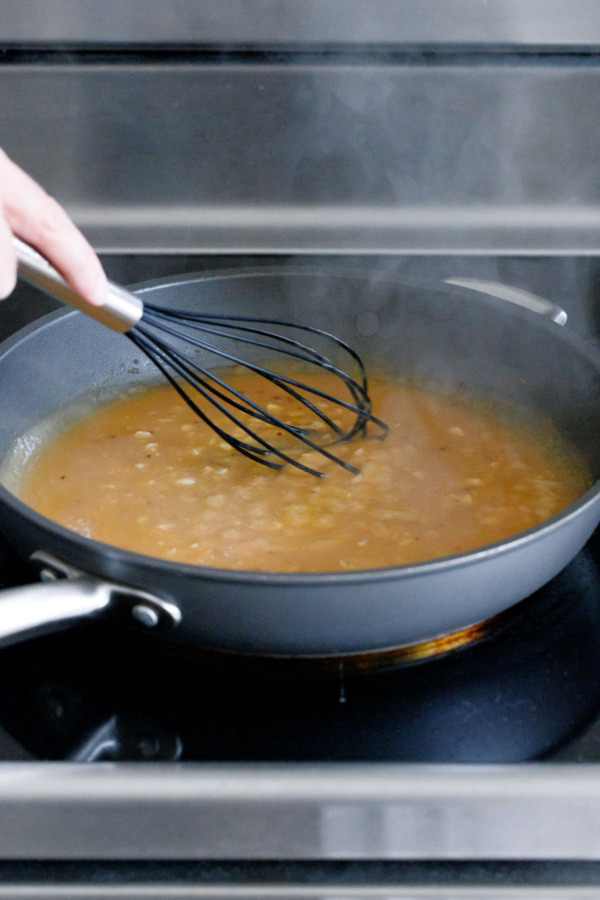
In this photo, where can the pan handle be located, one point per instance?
(65, 597)
(514, 295)
(36, 609)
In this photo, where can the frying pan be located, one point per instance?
(449, 334)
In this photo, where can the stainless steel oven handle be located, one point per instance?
(514, 295)
(66, 596)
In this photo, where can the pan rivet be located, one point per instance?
(145, 615)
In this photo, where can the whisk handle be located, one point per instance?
(121, 310)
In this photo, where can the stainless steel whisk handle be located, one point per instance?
(121, 311)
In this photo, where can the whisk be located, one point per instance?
(161, 334)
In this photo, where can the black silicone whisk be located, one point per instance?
(176, 340)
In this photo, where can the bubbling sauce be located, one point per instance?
(143, 473)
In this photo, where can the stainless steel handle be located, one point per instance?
(514, 295)
(121, 311)
(37, 609)
(66, 596)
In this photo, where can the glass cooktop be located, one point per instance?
(528, 690)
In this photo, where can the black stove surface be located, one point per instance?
(98, 692)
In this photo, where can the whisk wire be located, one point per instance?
(361, 407)
(166, 359)
(201, 321)
(305, 353)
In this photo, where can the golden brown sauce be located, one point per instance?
(144, 474)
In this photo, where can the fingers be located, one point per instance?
(8, 263)
(27, 211)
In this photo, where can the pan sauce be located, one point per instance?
(144, 474)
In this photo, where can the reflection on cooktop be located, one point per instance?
(101, 693)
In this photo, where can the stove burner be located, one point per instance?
(348, 663)
(517, 688)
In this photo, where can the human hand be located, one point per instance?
(27, 211)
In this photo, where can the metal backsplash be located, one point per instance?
(434, 164)
(305, 155)
(289, 23)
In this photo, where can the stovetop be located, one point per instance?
(528, 690)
